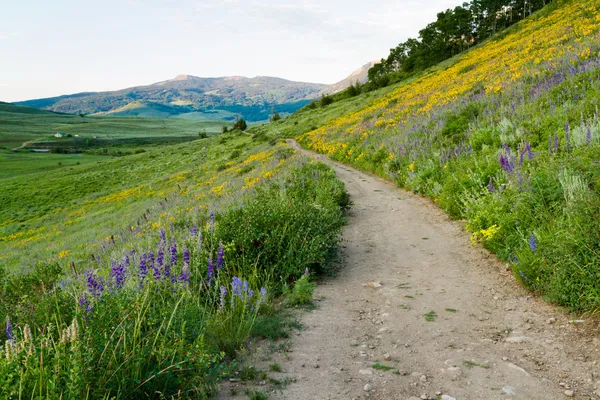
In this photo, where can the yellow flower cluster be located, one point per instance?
(539, 44)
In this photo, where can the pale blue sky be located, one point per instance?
(48, 48)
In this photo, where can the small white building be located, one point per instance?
(60, 135)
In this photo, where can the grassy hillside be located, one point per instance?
(506, 137)
(153, 268)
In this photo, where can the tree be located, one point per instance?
(326, 100)
(275, 117)
(225, 129)
(202, 134)
(240, 124)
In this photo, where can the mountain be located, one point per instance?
(193, 97)
(361, 76)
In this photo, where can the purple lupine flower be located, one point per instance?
(167, 272)
(220, 253)
(95, 284)
(505, 163)
(10, 335)
(194, 231)
(143, 267)
(236, 286)
(212, 220)
(84, 304)
(306, 272)
(210, 271)
(263, 296)
(127, 261)
(528, 150)
(490, 185)
(532, 243)
(118, 274)
(222, 297)
(173, 251)
(151, 260)
(521, 157)
(515, 259)
(160, 257)
(163, 235)
(245, 287)
(186, 256)
(568, 133)
(185, 274)
(556, 142)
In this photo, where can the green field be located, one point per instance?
(95, 137)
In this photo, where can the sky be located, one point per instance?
(49, 48)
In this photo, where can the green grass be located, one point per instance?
(430, 316)
(452, 310)
(100, 136)
(471, 364)
(381, 367)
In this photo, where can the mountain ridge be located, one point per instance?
(190, 96)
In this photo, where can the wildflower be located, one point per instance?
(306, 271)
(506, 164)
(10, 347)
(567, 133)
(9, 330)
(236, 285)
(26, 334)
(210, 271)
(84, 304)
(118, 274)
(532, 243)
(212, 220)
(528, 150)
(263, 296)
(143, 267)
(222, 297)
(194, 231)
(160, 257)
(220, 254)
(184, 277)
(490, 185)
(95, 284)
(163, 235)
(186, 256)
(555, 142)
(173, 251)
(74, 331)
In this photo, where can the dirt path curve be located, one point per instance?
(485, 339)
(25, 144)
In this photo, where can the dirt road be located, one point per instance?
(449, 320)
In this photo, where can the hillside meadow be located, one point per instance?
(158, 264)
(506, 137)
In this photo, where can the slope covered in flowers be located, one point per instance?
(158, 280)
(507, 137)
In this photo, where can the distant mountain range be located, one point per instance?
(192, 97)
